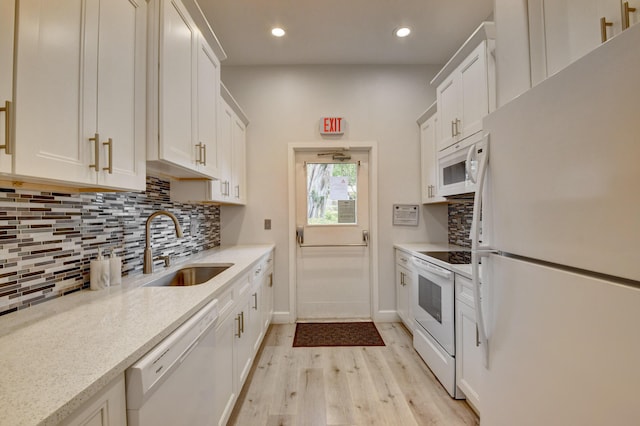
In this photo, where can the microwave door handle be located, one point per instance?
(467, 163)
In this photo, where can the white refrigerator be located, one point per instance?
(560, 292)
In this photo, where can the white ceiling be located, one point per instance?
(343, 31)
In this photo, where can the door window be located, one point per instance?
(332, 190)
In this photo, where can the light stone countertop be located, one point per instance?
(415, 248)
(57, 355)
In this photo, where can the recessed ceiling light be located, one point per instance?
(402, 32)
(277, 32)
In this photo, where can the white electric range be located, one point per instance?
(433, 307)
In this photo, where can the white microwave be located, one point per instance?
(458, 165)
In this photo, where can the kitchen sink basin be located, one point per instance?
(190, 275)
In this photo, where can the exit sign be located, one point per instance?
(332, 125)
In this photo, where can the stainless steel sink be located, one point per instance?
(190, 275)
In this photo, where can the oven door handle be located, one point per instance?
(437, 271)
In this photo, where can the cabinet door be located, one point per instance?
(239, 159)
(448, 99)
(402, 293)
(566, 30)
(121, 101)
(224, 364)
(267, 300)
(243, 342)
(177, 100)
(474, 104)
(633, 16)
(468, 354)
(7, 21)
(107, 408)
(208, 94)
(49, 94)
(429, 165)
(221, 188)
(255, 330)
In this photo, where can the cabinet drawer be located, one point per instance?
(464, 290)
(403, 258)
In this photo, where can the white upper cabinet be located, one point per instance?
(428, 123)
(230, 185)
(466, 88)
(231, 188)
(562, 31)
(80, 92)
(185, 76)
(7, 22)
(173, 138)
(208, 94)
(238, 161)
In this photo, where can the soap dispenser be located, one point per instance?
(100, 272)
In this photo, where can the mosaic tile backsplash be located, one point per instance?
(47, 240)
(460, 217)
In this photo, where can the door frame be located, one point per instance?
(372, 149)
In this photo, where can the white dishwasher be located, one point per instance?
(173, 384)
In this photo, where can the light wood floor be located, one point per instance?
(372, 385)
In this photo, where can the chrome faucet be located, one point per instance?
(147, 267)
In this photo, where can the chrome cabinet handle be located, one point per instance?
(477, 336)
(237, 191)
(7, 127)
(603, 28)
(626, 21)
(96, 146)
(270, 280)
(255, 301)
(453, 123)
(239, 333)
(457, 124)
(109, 144)
(242, 322)
(204, 154)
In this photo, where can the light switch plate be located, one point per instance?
(267, 224)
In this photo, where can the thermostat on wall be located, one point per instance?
(405, 214)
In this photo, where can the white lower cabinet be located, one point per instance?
(224, 361)
(239, 334)
(247, 331)
(404, 287)
(107, 408)
(468, 352)
(267, 294)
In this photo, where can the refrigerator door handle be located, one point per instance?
(476, 254)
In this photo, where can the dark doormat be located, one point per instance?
(337, 334)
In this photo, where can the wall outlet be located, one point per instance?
(267, 224)
(193, 226)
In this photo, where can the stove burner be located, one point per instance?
(451, 257)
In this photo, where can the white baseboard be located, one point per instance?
(386, 316)
(281, 318)
(380, 316)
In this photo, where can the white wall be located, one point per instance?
(284, 104)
